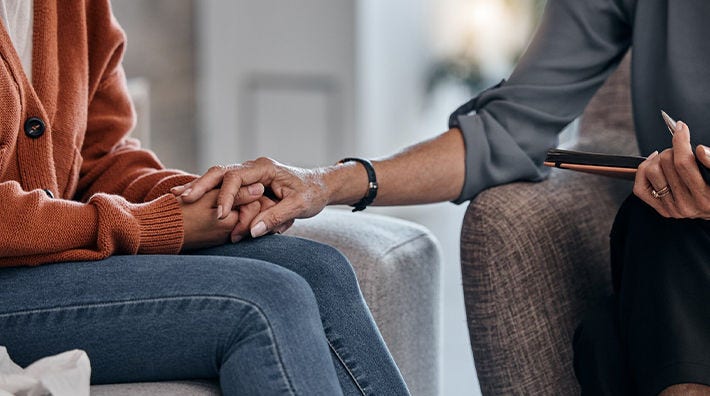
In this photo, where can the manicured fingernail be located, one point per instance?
(706, 149)
(256, 189)
(219, 212)
(187, 192)
(258, 230)
(653, 154)
(236, 238)
(177, 188)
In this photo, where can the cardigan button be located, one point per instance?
(34, 127)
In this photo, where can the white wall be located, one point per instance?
(393, 59)
(371, 58)
(276, 79)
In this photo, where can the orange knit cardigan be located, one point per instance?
(77, 188)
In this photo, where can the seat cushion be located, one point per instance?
(172, 388)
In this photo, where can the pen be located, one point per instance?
(671, 124)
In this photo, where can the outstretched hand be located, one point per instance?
(298, 193)
(671, 182)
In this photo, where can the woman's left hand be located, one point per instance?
(671, 182)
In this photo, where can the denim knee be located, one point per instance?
(323, 266)
(325, 269)
(283, 292)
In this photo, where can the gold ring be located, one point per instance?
(661, 193)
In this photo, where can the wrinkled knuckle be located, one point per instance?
(678, 139)
(239, 194)
(264, 161)
(216, 169)
(682, 166)
(666, 159)
(653, 171)
(643, 165)
(222, 195)
(232, 176)
(275, 219)
(684, 163)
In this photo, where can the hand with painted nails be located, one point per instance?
(247, 204)
(671, 181)
(296, 193)
(193, 191)
(247, 214)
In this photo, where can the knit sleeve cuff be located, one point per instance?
(161, 226)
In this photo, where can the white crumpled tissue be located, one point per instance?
(66, 374)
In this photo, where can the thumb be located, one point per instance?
(270, 219)
(702, 153)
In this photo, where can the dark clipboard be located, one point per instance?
(617, 166)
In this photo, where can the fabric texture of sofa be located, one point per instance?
(535, 257)
(398, 268)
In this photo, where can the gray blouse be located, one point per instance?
(509, 128)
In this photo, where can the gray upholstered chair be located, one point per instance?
(534, 258)
(398, 267)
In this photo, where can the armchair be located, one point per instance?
(535, 257)
(398, 268)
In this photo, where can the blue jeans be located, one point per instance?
(277, 315)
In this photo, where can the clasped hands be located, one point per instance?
(263, 196)
(254, 198)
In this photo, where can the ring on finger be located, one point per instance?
(661, 193)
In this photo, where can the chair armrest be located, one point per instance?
(398, 267)
(534, 258)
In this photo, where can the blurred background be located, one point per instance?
(308, 82)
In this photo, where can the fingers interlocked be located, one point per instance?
(242, 187)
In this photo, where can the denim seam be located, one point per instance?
(164, 299)
(350, 373)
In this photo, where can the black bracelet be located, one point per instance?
(372, 183)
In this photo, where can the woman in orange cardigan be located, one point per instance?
(275, 316)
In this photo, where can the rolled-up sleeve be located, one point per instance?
(508, 128)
